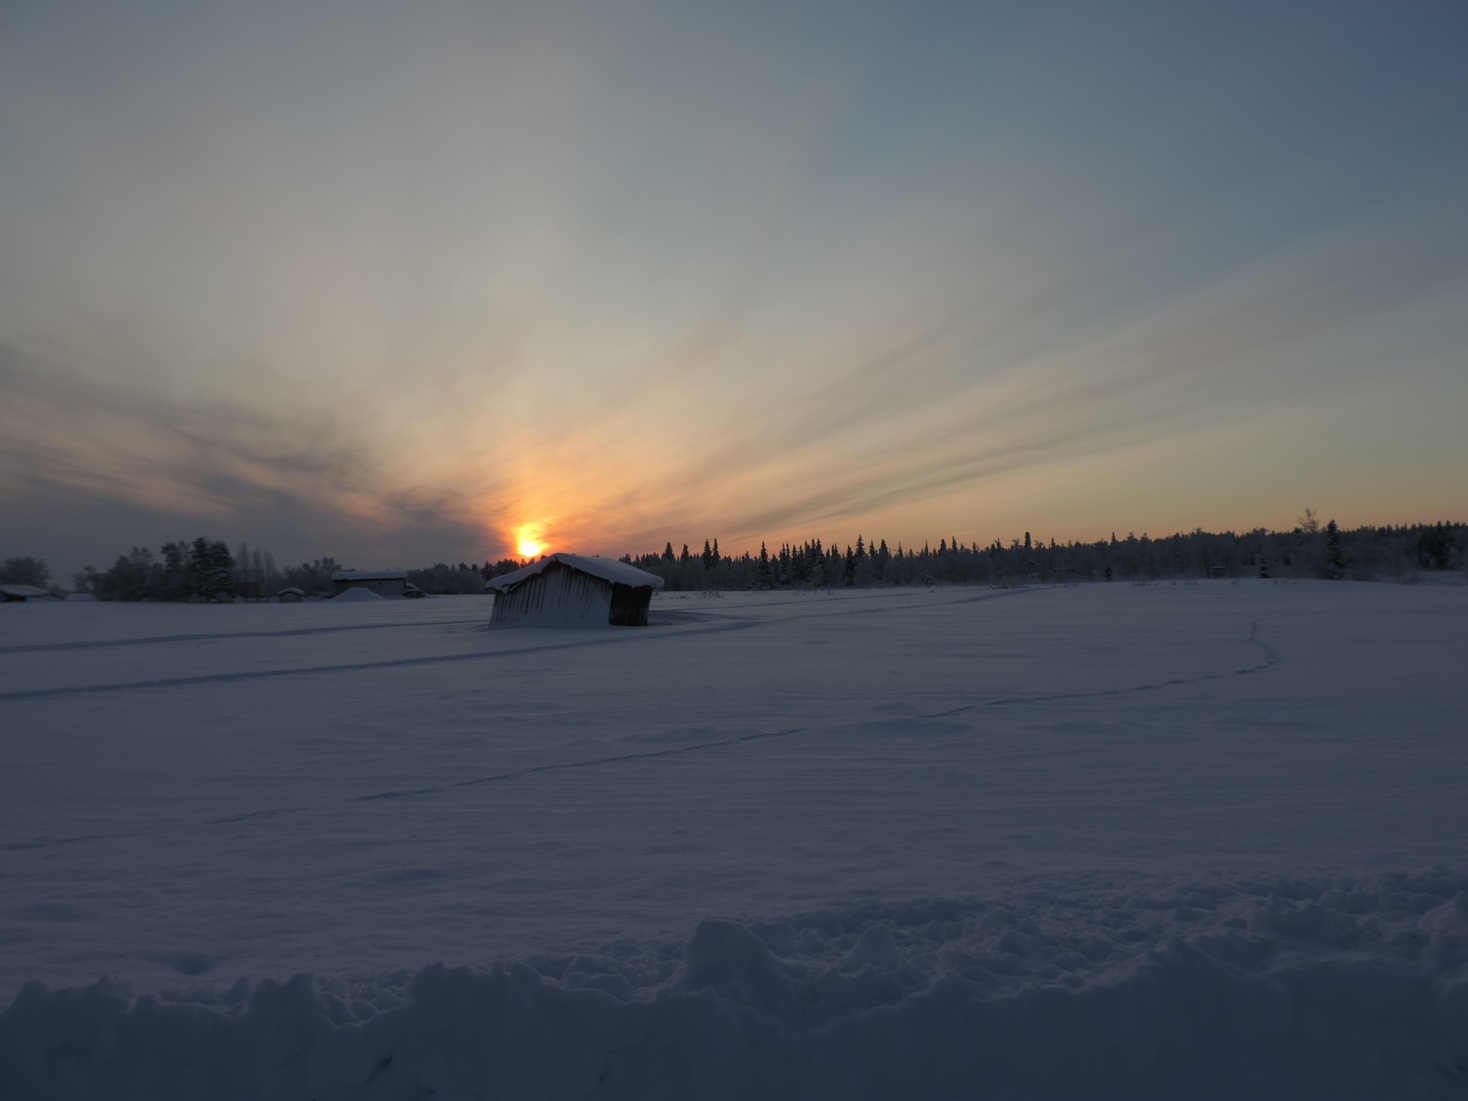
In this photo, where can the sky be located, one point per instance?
(407, 283)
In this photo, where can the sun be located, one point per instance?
(529, 537)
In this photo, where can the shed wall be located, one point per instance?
(629, 605)
(557, 597)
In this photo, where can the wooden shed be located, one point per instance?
(15, 594)
(249, 584)
(382, 582)
(570, 590)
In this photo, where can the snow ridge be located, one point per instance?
(1114, 987)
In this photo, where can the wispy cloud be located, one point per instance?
(425, 284)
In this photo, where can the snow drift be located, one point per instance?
(1103, 841)
(1209, 989)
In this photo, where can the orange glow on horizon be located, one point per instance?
(528, 538)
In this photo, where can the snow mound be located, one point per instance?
(1214, 988)
(356, 592)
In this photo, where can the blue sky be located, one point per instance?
(408, 283)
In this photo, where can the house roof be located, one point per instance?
(608, 569)
(370, 575)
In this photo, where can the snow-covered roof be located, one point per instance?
(370, 575)
(22, 592)
(608, 569)
(355, 593)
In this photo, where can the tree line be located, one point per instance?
(207, 570)
(28, 571)
(1309, 550)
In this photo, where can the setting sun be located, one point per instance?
(529, 549)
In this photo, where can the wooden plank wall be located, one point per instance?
(557, 597)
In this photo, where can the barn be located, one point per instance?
(570, 590)
(387, 583)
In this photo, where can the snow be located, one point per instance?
(22, 592)
(608, 569)
(1165, 840)
(358, 593)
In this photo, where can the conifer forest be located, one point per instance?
(207, 569)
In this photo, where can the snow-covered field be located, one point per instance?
(1195, 839)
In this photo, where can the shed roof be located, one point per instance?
(22, 592)
(608, 569)
(370, 575)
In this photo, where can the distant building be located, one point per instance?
(382, 582)
(249, 584)
(569, 590)
(290, 595)
(14, 594)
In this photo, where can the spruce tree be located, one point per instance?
(209, 569)
(1435, 546)
(175, 582)
(1335, 562)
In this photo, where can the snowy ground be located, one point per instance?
(1193, 839)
